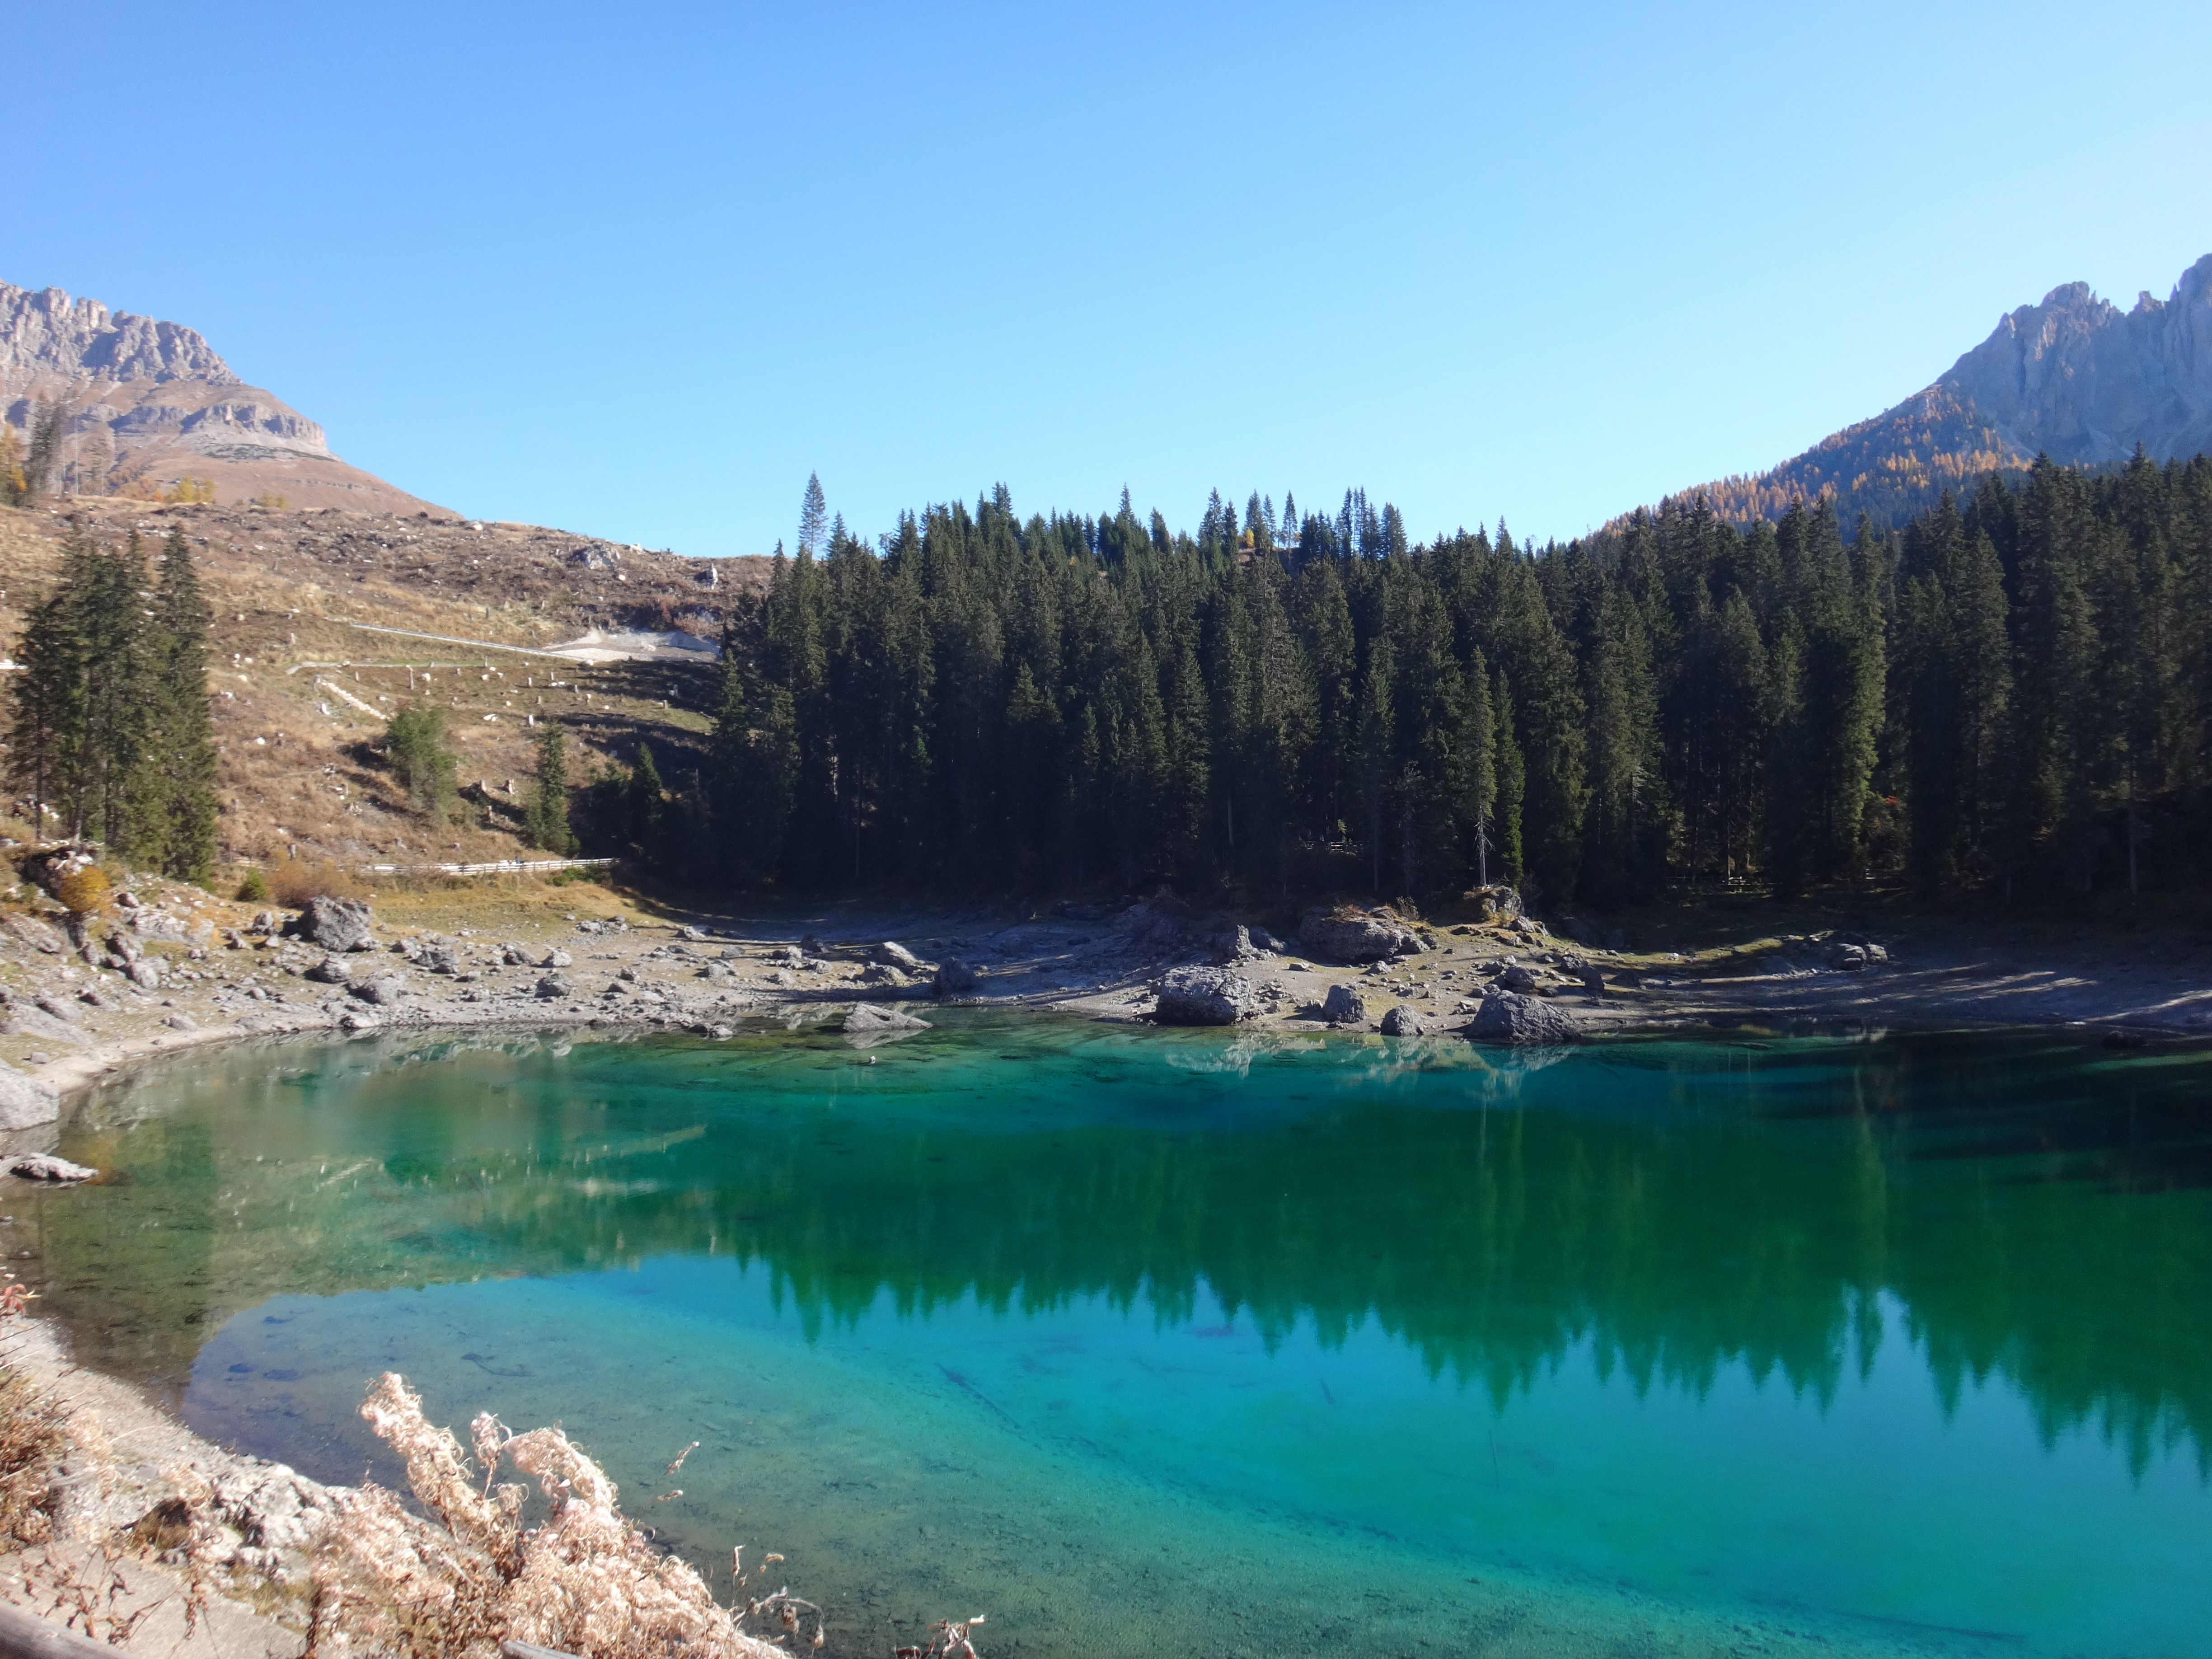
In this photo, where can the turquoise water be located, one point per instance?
(1136, 1339)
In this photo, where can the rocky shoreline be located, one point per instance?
(167, 969)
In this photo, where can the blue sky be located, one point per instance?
(638, 270)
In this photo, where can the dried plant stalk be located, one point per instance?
(585, 1582)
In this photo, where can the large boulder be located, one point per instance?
(1498, 904)
(891, 954)
(1517, 979)
(1344, 1007)
(25, 1101)
(1229, 942)
(331, 971)
(1404, 1021)
(385, 990)
(1205, 996)
(150, 923)
(1507, 1018)
(336, 924)
(1852, 953)
(1357, 936)
(955, 978)
(1156, 925)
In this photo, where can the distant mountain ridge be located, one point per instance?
(146, 403)
(2075, 377)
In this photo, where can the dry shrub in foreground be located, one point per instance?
(585, 1581)
(292, 884)
(33, 1440)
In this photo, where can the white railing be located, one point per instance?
(504, 867)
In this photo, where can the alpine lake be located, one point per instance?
(1149, 1342)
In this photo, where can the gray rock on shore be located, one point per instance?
(383, 990)
(891, 954)
(955, 978)
(1404, 1022)
(336, 924)
(331, 971)
(1505, 1017)
(1854, 953)
(1205, 996)
(1354, 937)
(25, 1101)
(1344, 1007)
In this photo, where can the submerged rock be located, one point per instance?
(1205, 996)
(45, 1166)
(868, 1016)
(1505, 1017)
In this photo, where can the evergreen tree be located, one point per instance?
(15, 489)
(42, 466)
(111, 624)
(173, 807)
(813, 520)
(545, 815)
(648, 804)
(1512, 781)
(415, 742)
(46, 729)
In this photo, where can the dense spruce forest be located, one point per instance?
(2009, 697)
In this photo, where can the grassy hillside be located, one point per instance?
(295, 674)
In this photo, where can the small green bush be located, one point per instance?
(254, 889)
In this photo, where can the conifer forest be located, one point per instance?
(2009, 697)
(109, 733)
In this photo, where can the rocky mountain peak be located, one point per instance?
(2083, 381)
(47, 332)
(2073, 377)
(144, 405)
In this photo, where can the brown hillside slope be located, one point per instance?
(293, 677)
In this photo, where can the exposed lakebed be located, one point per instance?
(1145, 1341)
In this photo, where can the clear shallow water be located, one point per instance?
(1891, 1345)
